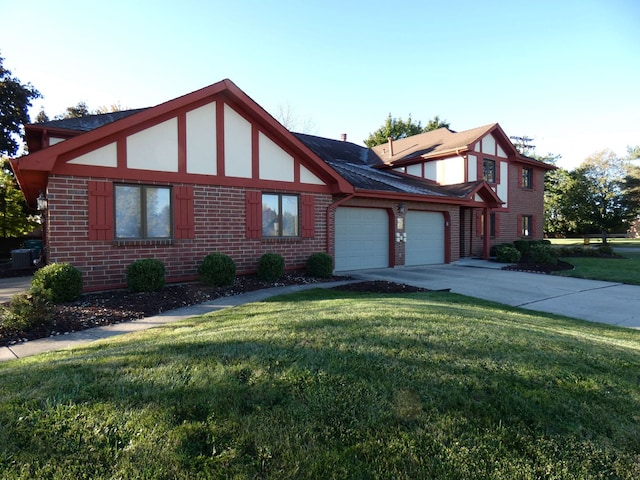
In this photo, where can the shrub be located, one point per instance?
(542, 254)
(217, 269)
(507, 254)
(270, 267)
(27, 311)
(605, 250)
(493, 252)
(60, 282)
(146, 275)
(320, 265)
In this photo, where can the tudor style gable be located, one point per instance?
(216, 135)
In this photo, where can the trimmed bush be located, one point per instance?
(542, 254)
(60, 282)
(270, 267)
(605, 250)
(27, 311)
(217, 269)
(320, 265)
(507, 254)
(146, 275)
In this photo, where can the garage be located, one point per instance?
(362, 238)
(425, 238)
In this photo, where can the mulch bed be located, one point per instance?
(537, 268)
(107, 308)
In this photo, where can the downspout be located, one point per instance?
(331, 207)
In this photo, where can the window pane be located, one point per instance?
(270, 209)
(289, 216)
(158, 212)
(489, 170)
(128, 212)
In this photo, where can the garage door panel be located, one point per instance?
(425, 238)
(361, 238)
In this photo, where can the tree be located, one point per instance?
(598, 194)
(15, 100)
(557, 210)
(396, 128)
(75, 111)
(16, 219)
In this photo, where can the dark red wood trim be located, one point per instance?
(220, 137)
(121, 149)
(182, 143)
(255, 152)
(447, 236)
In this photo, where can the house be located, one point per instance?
(213, 171)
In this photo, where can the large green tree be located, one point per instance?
(598, 195)
(15, 100)
(397, 128)
(16, 219)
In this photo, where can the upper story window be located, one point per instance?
(280, 215)
(489, 170)
(527, 177)
(142, 212)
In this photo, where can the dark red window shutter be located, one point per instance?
(519, 226)
(100, 210)
(183, 212)
(253, 202)
(520, 176)
(308, 216)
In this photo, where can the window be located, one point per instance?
(142, 212)
(527, 226)
(492, 225)
(489, 170)
(280, 215)
(527, 177)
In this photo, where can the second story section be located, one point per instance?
(449, 158)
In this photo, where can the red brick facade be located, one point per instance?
(219, 220)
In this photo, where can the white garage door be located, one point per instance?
(362, 238)
(425, 238)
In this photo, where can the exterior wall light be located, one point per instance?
(42, 202)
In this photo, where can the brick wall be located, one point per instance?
(521, 201)
(219, 217)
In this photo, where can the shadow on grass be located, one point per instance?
(344, 377)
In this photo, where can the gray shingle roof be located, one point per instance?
(88, 122)
(360, 167)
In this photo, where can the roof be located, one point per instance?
(358, 165)
(434, 143)
(87, 122)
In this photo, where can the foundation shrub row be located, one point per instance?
(62, 282)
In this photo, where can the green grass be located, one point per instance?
(324, 384)
(614, 242)
(623, 270)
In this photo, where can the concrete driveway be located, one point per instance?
(605, 302)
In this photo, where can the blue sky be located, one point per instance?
(566, 73)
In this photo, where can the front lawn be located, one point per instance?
(623, 270)
(329, 384)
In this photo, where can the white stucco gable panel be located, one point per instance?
(472, 168)
(451, 171)
(106, 156)
(275, 163)
(503, 186)
(54, 140)
(489, 145)
(201, 140)
(155, 148)
(237, 144)
(307, 177)
(501, 152)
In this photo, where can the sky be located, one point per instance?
(564, 73)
